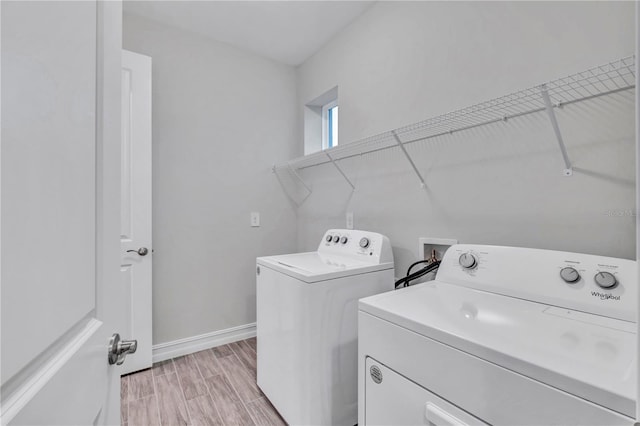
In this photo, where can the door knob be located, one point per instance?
(119, 349)
(142, 251)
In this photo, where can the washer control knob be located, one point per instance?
(468, 261)
(329, 238)
(344, 240)
(605, 280)
(569, 275)
(364, 242)
(336, 238)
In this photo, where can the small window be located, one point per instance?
(321, 122)
(330, 125)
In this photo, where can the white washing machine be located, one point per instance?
(503, 336)
(307, 309)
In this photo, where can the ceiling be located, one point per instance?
(285, 31)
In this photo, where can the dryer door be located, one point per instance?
(391, 399)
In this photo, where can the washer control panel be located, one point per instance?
(594, 284)
(370, 247)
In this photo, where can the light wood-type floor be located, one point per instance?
(212, 387)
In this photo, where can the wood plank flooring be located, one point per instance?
(212, 387)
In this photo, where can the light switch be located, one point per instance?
(255, 219)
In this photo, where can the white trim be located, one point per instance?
(189, 345)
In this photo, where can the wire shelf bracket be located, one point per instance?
(353, 188)
(297, 176)
(544, 91)
(603, 80)
(293, 172)
(406, 154)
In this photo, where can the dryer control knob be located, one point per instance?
(569, 275)
(336, 238)
(605, 279)
(364, 242)
(329, 238)
(344, 240)
(468, 261)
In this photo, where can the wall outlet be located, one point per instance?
(255, 219)
(349, 220)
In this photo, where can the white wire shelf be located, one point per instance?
(599, 81)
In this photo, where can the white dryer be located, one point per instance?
(307, 309)
(503, 336)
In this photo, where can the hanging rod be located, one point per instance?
(613, 77)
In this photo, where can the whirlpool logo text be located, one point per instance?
(604, 296)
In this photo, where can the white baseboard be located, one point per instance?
(189, 345)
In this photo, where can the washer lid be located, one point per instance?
(587, 355)
(312, 267)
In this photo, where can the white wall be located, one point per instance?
(221, 119)
(402, 62)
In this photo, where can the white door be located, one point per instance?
(59, 259)
(135, 217)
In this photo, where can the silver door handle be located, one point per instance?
(119, 349)
(142, 251)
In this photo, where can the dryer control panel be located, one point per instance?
(366, 246)
(595, 284)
